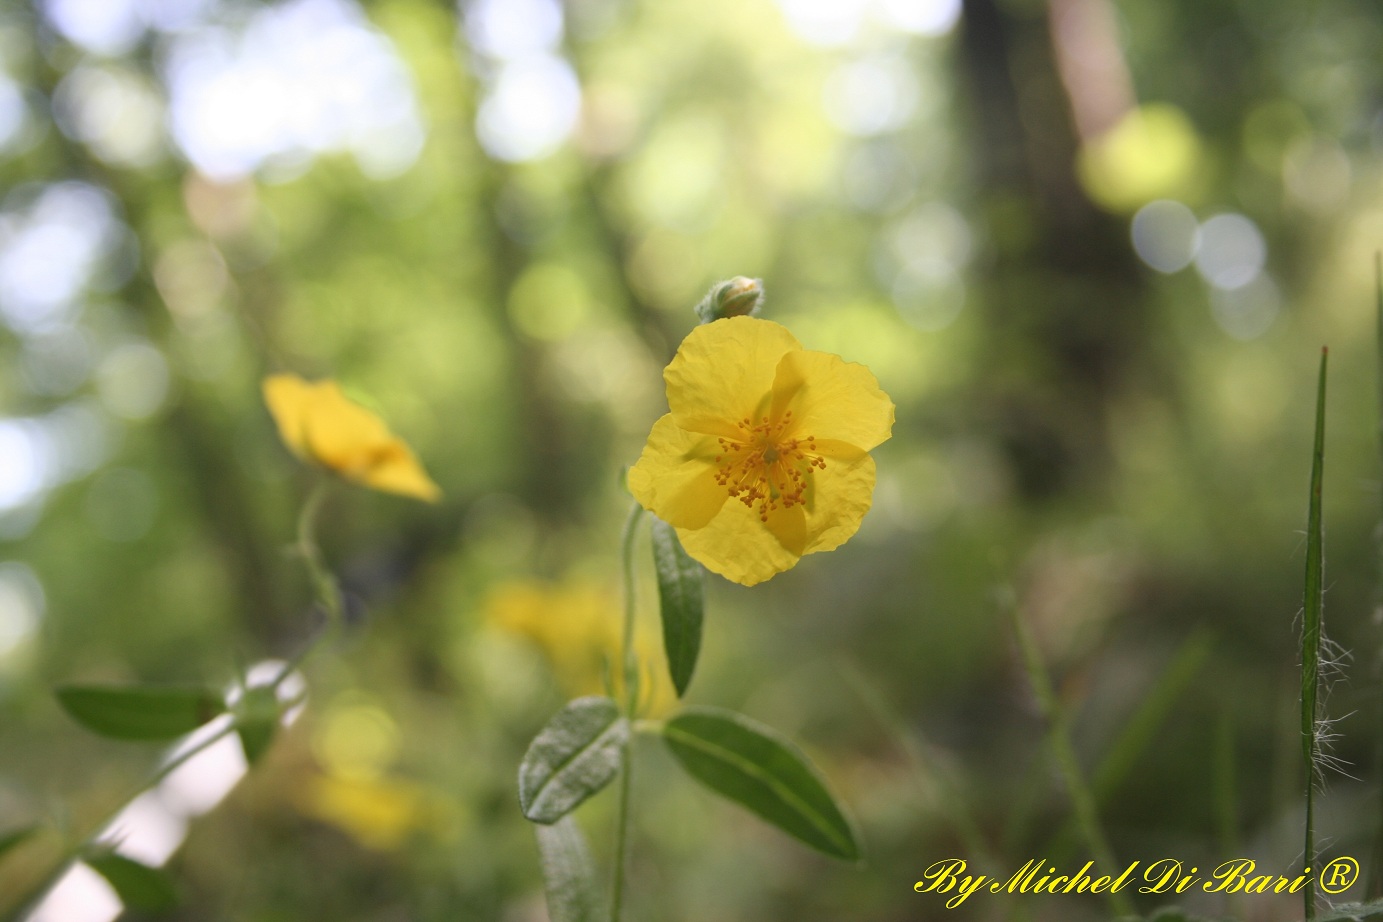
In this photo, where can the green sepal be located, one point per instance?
(573, 757)
(757, 768)
(681, 602)
(141, 712)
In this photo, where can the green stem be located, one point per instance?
(323, 582)
(631, 697)
(1083, 802)
(324, 586)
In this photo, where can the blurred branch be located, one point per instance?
(1067, 321)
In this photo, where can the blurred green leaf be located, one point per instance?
(140, 712)
(569, 874)
(1177, 914)
(680, 581)
(138, 885)
(15, 837)
(755, 767)
(574, 756)
(257, 720)
(1353, 912)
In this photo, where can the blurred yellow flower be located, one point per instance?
(379, 813)
(783, 430)
(320, 424)
(576, 627)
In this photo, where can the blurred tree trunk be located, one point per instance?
(1065, 315)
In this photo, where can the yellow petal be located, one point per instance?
(319, 423)
(839, 496)
(341, 434)
(289, 399)
(398, 471)
(737, 545)
(723, 372)
(675, 476)
(831, 398)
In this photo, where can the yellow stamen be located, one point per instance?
(767, 465)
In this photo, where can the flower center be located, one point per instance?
(766, 466)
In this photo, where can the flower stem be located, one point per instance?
(323, 582)
(630, 704)
(1082, 801)
(324, 585)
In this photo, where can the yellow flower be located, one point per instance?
(576, 626)
(319, 423)
(380, 813)
(783, 430)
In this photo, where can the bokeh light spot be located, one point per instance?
(530, 110)
(1248, 311)
(133, 380)
(1231, 252)
(22, 604)
(1165, 235)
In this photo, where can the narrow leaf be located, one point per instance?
(15, 837)
(138, 885)
(257, 720)
(569, 875)
(680, 581)
(140, 712)
(1311, 604)
(1311, 638)
(574, 756)
(758, 769)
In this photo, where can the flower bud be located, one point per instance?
(736, 297)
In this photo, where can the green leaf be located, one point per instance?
(574, 756)
(257, 720)
(680, 581)
(1311, 635)
(15, 837)
(755, 767)
(1353, 912)
(140, 712)
(138, 885)
(569, 874)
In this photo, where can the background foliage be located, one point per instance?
(491, 223)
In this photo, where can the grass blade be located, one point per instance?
(1140, 729)
(1311, 637)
